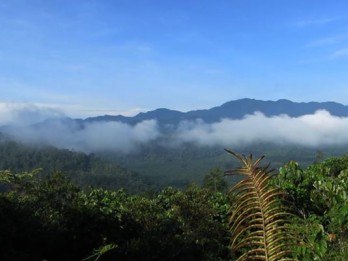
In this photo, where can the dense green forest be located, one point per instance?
(188, 163)
(82, 169)
(46, 215)
(150, 166)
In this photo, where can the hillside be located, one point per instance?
(190, 163)
(85, 170)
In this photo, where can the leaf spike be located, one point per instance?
(258, 217)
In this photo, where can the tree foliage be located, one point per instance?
(82, 169)
(215, 180)
(47, 216)
(51, 218)
(319, 196)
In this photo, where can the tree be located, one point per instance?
(215, 180)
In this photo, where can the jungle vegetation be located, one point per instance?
(46, 215)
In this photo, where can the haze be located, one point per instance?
(312, 130)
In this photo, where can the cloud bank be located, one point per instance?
(26, 114)
(92, 137)
(318, 129)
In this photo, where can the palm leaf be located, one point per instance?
(258, 220)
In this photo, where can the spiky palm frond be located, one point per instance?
(258, 221)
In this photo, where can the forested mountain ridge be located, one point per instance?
(236, 109)
(180, 147)
(169, 121)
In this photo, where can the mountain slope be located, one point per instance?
(83, 169)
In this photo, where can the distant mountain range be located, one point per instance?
(236, 109)
(146, 148)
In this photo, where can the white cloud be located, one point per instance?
(320, 128)
(340, 53)
(25, 113)
(316, 21)
(327, 40)
(114, 136)
(95, 136)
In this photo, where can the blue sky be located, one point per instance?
(89, 58)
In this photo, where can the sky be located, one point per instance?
(85, 58)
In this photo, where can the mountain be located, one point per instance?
(236, 109)
(175, 153)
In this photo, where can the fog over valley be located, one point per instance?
(37, 125)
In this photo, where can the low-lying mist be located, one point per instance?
(318, 129)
